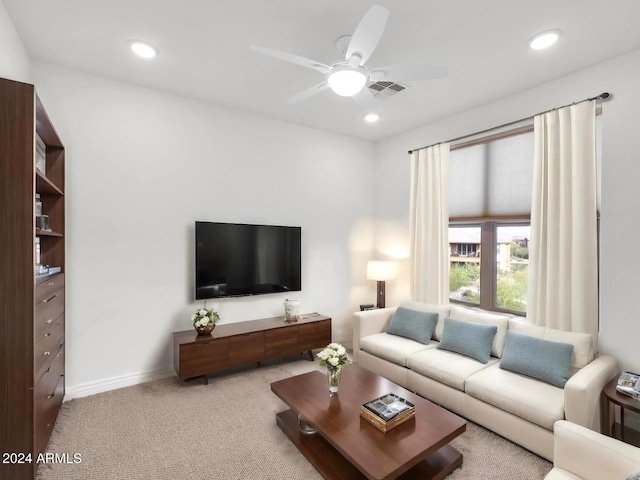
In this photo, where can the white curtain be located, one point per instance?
(563, 268)
(429, 224)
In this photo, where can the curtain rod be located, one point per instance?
(603, 96)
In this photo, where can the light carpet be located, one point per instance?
(170, 429)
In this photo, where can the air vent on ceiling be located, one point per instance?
(383, 90)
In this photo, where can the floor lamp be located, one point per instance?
(382, 271)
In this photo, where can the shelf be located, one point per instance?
(45, 233)
(44, 185)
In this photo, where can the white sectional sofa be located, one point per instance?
(518, 407)
(581, 453)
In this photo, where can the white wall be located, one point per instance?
(142, 166)
(619, 263)
(14, 60)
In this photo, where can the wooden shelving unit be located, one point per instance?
(32, 323)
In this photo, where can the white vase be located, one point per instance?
(291, 310)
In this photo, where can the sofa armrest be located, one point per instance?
(369, 322)
(590, 455)
(582, 392)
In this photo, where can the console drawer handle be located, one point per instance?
(50, 396)
(50, 298)
(47, 334)
(50, 283)
(46, 354)
(49, 321)
(203, 343)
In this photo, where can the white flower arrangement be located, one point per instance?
(204, 317)
(334, 357)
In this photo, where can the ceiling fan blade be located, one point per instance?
(309, 92)
(291, 58)
(368, 33)
(407, 73)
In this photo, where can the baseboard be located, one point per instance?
(113, 383)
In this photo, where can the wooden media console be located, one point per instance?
(242, 343)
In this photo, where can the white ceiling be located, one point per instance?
(204, 49)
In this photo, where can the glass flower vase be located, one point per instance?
(333, 376)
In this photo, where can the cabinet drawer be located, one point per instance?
(49, 406)
(47, 311)
(49, 286)
(46, 347)
(280, 342)
(314, 335)
(247, 348)
(199, 358)
(48, 381)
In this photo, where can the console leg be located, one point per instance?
(206, 379)
(310, 355)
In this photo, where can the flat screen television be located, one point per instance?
(235, 259)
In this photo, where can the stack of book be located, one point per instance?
(629, 384)
(388, 411)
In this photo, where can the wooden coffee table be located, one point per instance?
(348, 447)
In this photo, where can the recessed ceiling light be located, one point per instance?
(371, 117)
(143, 49)
(544, 39)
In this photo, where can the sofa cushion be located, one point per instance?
(441, 310)
(413, 324)
(392, 347)
(446, 367)
(525, 397)
(468, 338)
(582, 343)
(537, 358)
(470, 315)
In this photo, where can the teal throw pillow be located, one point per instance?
(537, 358)
(468, 338)
(413, 324)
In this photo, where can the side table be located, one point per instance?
(625, 402)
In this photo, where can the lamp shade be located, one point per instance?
(382, 270)
(346, 80)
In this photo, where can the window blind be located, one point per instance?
(492, 179)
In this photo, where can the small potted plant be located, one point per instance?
(204, 320)
(334, 357)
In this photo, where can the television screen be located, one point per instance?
(234, 259)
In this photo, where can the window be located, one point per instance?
(497, 279)
(489, 230)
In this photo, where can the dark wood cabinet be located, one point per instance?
(284, 341)
(243, 343)
(246, 348)
(32, 321)
(311, 335)
(209, 355)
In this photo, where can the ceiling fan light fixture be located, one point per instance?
(143, 49)
(544, 39)
(347, 81)
(371, 117)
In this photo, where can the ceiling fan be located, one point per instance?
(348, 78)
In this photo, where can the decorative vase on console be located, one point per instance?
(335, 358)
(291, 310)
(205, 320)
